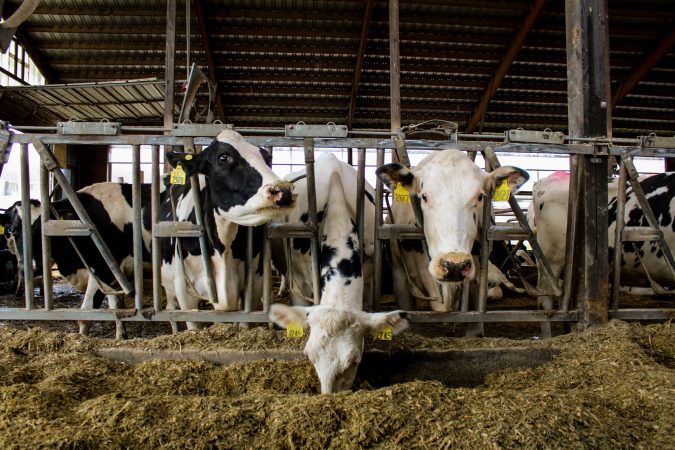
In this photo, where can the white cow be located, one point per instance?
(338, 324)
(451, 188)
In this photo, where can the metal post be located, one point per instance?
(620, 211)
(394, 66)
(360, 200)
(137, 225)
(267, 273)
(156, 243)
(588, 116)
(26, 230)
(377, 251)
(313, 219)
(169, 68)
(249, 271)
(484, 247)
(48, 295)
(572, 215)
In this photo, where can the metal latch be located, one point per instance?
(103, 128)
(654, 141)
(199, 129)
(329, 130)
(540, 137)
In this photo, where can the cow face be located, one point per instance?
(336, 338)
(13, 231)
(240, 182)
(451, 189)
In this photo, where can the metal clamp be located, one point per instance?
(187, 129)
(102, 128)
(541, 137)
(329, 130)
(654, 141)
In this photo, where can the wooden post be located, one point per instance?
(588, 116)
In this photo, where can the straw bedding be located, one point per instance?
(611, 388)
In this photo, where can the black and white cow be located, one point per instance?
(237, 188)
(338, 324)
(9, 269)
(109, 206)
(547, 215)
(451, 188)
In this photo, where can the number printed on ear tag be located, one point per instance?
(177, 175)
(401, 194)
(384, 334)
(295, 330)
(502, 193)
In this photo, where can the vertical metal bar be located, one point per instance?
(377, 251)
(572, 215)
(26, 230)
(137, 225)
(394, 66)
(360, 200)
(170, 67)
(203, 239)
(47, 293)
(267, 274)
(618, 244)
(249, 271)
(313, 219)
(350, 156)
(156, 243)
(484, 250)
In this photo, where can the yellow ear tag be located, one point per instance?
(188, 157)
(384, 334)
(502, 193)
(177, 175)
(401, 194)
(2, 229)
(295, 330)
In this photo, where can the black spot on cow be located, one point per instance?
(238, 245)
(541, 206)
(302, 244)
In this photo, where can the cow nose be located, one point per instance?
(282, 195)
(456, 271)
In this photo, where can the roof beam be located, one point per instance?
(204, 35)
(644, 67)
(506, 63)
(367, 19)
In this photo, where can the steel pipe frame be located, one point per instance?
(26, 230)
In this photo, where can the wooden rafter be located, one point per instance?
(367, 19)
(644, 67)
(203, 32)
(506, 63)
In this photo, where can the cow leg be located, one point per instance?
(91, 296)
(115, 302)
(545, 301)
(172, 305)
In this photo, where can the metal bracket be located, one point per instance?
(654, 141)
(199, 129)
(4, 145)
(329, 130)
(91, 128)
(543, 137)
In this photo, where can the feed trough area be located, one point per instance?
(227, 387)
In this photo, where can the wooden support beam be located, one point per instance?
(588, 116)
(203, 33)
(505, 65)
(641, 70)
(367, 19)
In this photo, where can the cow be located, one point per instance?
(109, 205)
(338, 324)
(236, 186)
(9, 270)
(547, 216)
(451, 189)
(238, 190)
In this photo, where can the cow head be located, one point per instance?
(451, 189)
(336, 338)
(240, 182)
(14, 230)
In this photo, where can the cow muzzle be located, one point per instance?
(452, 267)
(282, 195)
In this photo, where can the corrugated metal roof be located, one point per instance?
(281, 61)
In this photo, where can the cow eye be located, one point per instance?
(481, 196)
(424, 198)
(227, 159)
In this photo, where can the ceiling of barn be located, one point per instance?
(282, 61)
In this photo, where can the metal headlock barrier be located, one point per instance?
(331, 136)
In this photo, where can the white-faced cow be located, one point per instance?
(237, 188)
(547, 215)
(338, 325)
(109, 205)
(451, 188)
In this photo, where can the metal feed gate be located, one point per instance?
(299, 135)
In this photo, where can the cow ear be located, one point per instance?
(190, 162)
(284, 315)
(394, 173)
(514, 177)
(396, 320)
